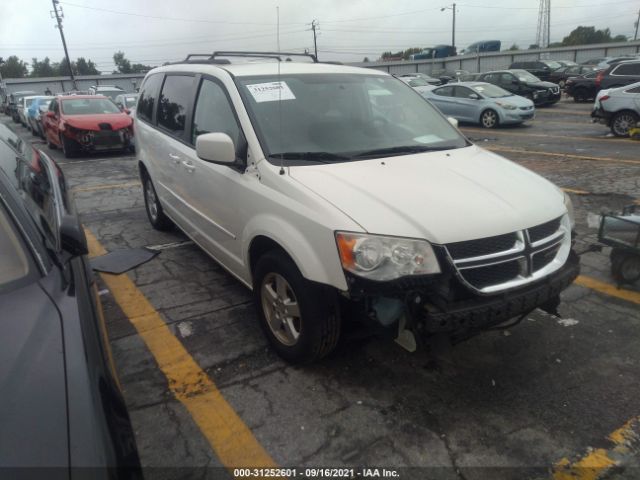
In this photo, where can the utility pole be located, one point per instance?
(59, 14)
(635, 37)
(453, 28)
(314, 25)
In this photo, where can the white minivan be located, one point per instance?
(338, 194)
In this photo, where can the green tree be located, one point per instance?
(619, 38)
(63, 68)
(86, 67)
(534, 46)
(513, 48)
(42, 68)
(586, 35)
(123, 65)
(13, 67)
(365, 60)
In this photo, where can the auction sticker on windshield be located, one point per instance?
(271, 92)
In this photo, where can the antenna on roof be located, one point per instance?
(279, 93)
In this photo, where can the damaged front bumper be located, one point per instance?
(100, 140)
(460, 313)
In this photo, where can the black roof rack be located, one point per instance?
(275, 55)
(202, 58)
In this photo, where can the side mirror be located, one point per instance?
(515, 82)
(72, 238)
(216, 147)
(474, 96)
(126, 110)
(50, 114)
(453, 121)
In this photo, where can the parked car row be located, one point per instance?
(618, 108)
(78, 123)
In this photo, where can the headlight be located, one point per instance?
(385, 258)
(507, 106)
(569, 204)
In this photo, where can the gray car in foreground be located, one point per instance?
(480, 102)
(618, 108)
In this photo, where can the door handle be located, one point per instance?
(175, 158)
(189, 166)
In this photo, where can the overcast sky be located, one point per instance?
(349, 30)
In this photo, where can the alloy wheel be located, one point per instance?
(152, 204)
(281, 309)
(622, 123)
(489, 119)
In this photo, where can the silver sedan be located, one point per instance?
(480, 102)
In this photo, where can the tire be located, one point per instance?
(68, 147)
(625, 267)
(579, 95)
(622, 122)
(312, 328)
(489, 119)
(155, 212)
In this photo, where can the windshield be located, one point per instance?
(343, 116)
(553, 65)
(491, 91)
(130, 101)
(418, 82)
(88, 106)
(525, 76)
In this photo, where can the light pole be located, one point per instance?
(453, 28)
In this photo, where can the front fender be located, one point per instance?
(314, 252)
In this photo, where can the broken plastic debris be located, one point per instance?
(567, 322)
(103, 292)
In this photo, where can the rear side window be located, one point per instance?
(214, 113)
(444, 91)
(633, 90)
(14, 265)
(627, 69)
(148, 96)
(174, 99)
(462, 92)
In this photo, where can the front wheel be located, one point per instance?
(155, 213)
(68, 146)
(301, 319)
(489, 119)
(622, 122)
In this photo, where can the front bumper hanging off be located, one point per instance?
(480, 313)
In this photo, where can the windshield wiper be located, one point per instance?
(401, 150)
(323, 157)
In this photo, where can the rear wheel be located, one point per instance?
(622, 122)
(300, 318)
(155, 213)
(489, 119)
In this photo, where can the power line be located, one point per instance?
(175, 19)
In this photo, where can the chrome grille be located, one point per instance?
(504, 261)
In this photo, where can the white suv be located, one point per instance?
(338, 193)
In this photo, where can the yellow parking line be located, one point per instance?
(597, 462)
(105, 187)
(608, 289)
(544, 135)
(229, 437)
(563, 155)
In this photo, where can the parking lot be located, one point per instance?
(554, 397)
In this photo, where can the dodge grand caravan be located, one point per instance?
(338, 193)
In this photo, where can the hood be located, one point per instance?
(33, 411)
(91, 122)
(516, 100)
(542, 84)
(444, 197)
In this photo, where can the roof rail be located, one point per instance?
(275, 55)
(202, 58)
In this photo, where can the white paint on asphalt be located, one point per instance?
(567, 322)
(185, 328)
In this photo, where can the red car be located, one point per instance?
(86, 123)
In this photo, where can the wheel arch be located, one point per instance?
(306, 251)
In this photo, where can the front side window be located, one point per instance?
(172, 105)
(213, 113)
(14, 263)
(88, 106)
(344, 115)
